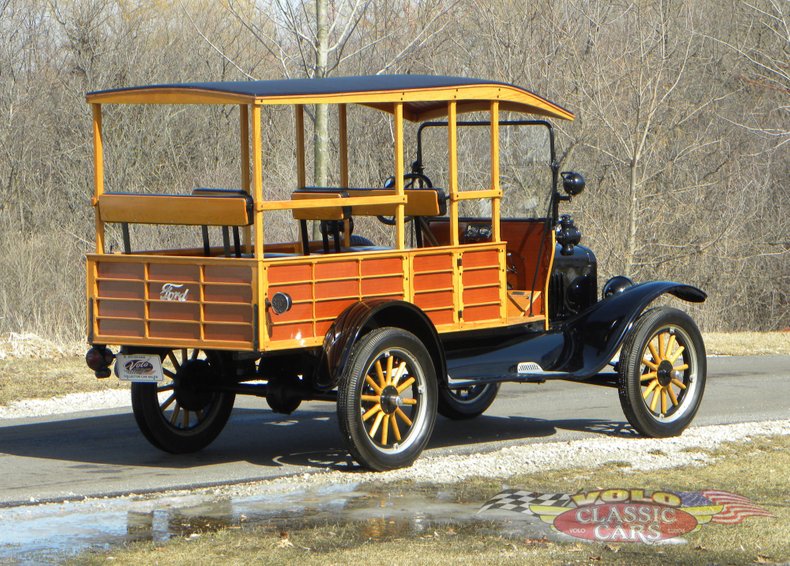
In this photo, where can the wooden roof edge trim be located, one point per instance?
(169, 95)
(516, 99)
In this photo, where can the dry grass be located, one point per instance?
(33, 368)
(31, 378)
(759, 470)
(747, 343)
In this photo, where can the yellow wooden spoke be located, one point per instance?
(650, 388)
(402, 415)
(380, 375)
(676, 355)
(371, 398)
(662, 347)
(680, 368)
(376, 424)
(654, 401)
(373, 384)
(409, 401)
(371, 412)
(174, 416)
(385, 426)
(650, 364)
(390, 361)
(399, 373)
(395, 429)
(649, 375)
(653, 353)
(678, 383)
(670, 346)
(672, 396)
(663, 400)
(168, 402)
(405, 385)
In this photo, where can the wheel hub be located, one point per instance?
(191, 383)
(390, 399)
(664, 373)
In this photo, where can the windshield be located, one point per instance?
(524, 164)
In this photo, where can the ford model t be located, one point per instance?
(432, 322)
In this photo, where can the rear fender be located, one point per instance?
(594, 336)
(364, 316)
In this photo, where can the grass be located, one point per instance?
(31, 378)
(759, 469)
(30, 372)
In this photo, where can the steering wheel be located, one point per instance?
(410, 181)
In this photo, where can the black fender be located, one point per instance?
(594, 335)
(367, 315)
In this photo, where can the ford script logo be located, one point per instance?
(173, 292)
(139, 367)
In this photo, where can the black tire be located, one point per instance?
(467, 402)
(182, 414)
(373, 406)
(662, 372)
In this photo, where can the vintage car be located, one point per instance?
(393, 334)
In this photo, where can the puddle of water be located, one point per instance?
(51, 533)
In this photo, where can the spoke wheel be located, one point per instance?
(387, 399)
(182, 414)
(662, 372)
(467, 402)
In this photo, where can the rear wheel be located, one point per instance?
(387, 399)
(662, 372)
(182, 414)
(467, 402)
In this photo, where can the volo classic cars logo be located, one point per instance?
(628, 515)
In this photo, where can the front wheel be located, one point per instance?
(387, 399)
(183, 414)
(662, 372)
(467, 402)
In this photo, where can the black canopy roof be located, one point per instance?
(424, 96)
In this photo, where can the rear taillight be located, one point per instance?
(99, 359)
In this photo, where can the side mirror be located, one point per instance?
(572, 182)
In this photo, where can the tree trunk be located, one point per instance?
(321, 133)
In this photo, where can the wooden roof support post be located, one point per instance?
(495, 186)
(257, 179)
(244, 135)
(399, 181)
(98, 175)
(342, 125)
(452, 148)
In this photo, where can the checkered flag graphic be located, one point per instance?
(519, 501)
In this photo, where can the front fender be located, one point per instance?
(367, 315)
(593, 337)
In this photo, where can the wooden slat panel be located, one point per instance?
(121, 289)
(489, 312)
(174, 311)
(122, 309)
(179, 330)
(239, 333)
(228, 313)
(173, 272)
(429, 281)
(133, 328)
(110, 270)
